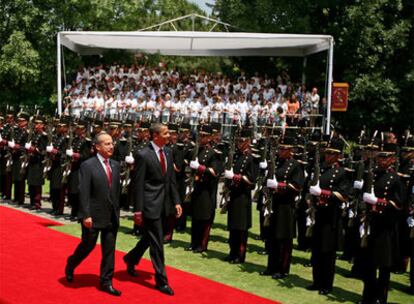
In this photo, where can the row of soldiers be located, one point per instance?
(302, 181)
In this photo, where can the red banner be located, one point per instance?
(340, 96)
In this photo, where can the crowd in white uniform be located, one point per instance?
(141, 90)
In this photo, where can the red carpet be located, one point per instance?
(32, 261)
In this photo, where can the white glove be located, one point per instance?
(370, 198)
(309, 221)
(351, 214)
(129, 159)
(27, 146)
(315, 190)
(306, 174)
(194, 164)
(49, 148)
(11, 144)
(266, 212)
(362, 231)
(358, 184)
(228, 174)
(69, 152)
(263, 165)
(271, 183)
(410, 222)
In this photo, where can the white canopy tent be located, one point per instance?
(193, 43)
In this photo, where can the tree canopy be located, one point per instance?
(373, 51)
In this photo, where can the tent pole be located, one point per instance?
(330, 80)
(59, 75)
(305, 61)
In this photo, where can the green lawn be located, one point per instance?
(246, 276)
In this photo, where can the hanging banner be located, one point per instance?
(340, 96)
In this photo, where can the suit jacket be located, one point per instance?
(97, 199)
(155, 194)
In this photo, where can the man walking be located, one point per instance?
(155, 196)
(99, 211)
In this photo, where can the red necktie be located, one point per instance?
(108, 172)
(162, 162)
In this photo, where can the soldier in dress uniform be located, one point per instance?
(17, 144)
(182, 156)
(178, 159)
(242, 179)
(143, 138)
(37, 150)
(3, 142)
(332, 189)
(407, 176)
(7, 160)
(57, 152)
(81, 151)
(384, 203)
(206, 168)
(286, 186)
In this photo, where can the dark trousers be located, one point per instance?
(375, 288)
(181, 222)
(35, 193)
(280, 255)
(238, 244)
(200, 234)
(57, 197)
(7, 185)
(87, 244)
(73, 199)
(123, 201)
(169, 223)
(304, 242)
(323, 269)
(19, 189)
(152, 238)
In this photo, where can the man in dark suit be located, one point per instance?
(99, 187)
(155, 197)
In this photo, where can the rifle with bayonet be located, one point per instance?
(225, 194)
(315, 181)
(67, 164)
(47, 161)
(9, 153)
(369, 185)
(126, 173)
(262, 175)
(268, 193)
(24, 159)
(192, 178)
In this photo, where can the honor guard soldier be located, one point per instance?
(17, 146)
(407, 176)
(205, 168)
(143, 139)
(3, 143)
(178, 159)
(57, 152)
(242, 180)
(384, 202)
(183, 158)
(36, 148)
(331, 190)
(286, 186)
(81, 150)
(7, 156)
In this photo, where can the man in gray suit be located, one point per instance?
(99, 187)
(155, 197)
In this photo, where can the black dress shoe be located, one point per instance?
(189, 248)
(324, 291)
(130, 267)
(262, 252)
(278, 276)
(167, 241)
(198, 250)
(68, 274)
(266, 273)
(228, 258)
(111, 290)
(312, 287)
(309, 264)
(165, 289)
(236, 261)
